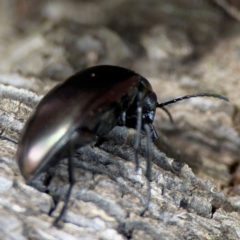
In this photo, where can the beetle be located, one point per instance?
(83, 109)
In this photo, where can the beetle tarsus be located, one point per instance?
(148, 198)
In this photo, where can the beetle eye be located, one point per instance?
(150, 102)
(148, 117)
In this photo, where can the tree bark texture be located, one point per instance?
(181, 47)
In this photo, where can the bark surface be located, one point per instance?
(181, 48)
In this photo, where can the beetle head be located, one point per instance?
(147, 100)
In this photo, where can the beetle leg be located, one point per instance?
(153, 133)
(148, 167)
(122, 119)
(5, 138)
(8, 139)
(137, 139)
(71, 184)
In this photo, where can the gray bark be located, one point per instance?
(182, 47)
(109, 195)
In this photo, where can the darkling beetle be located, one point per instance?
(84, 108)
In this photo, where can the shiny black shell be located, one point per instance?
(86, 106)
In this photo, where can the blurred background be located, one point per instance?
(180, 46)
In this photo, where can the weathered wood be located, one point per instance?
(108, 195)
(182, 47)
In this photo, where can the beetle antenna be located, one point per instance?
(161, 105)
